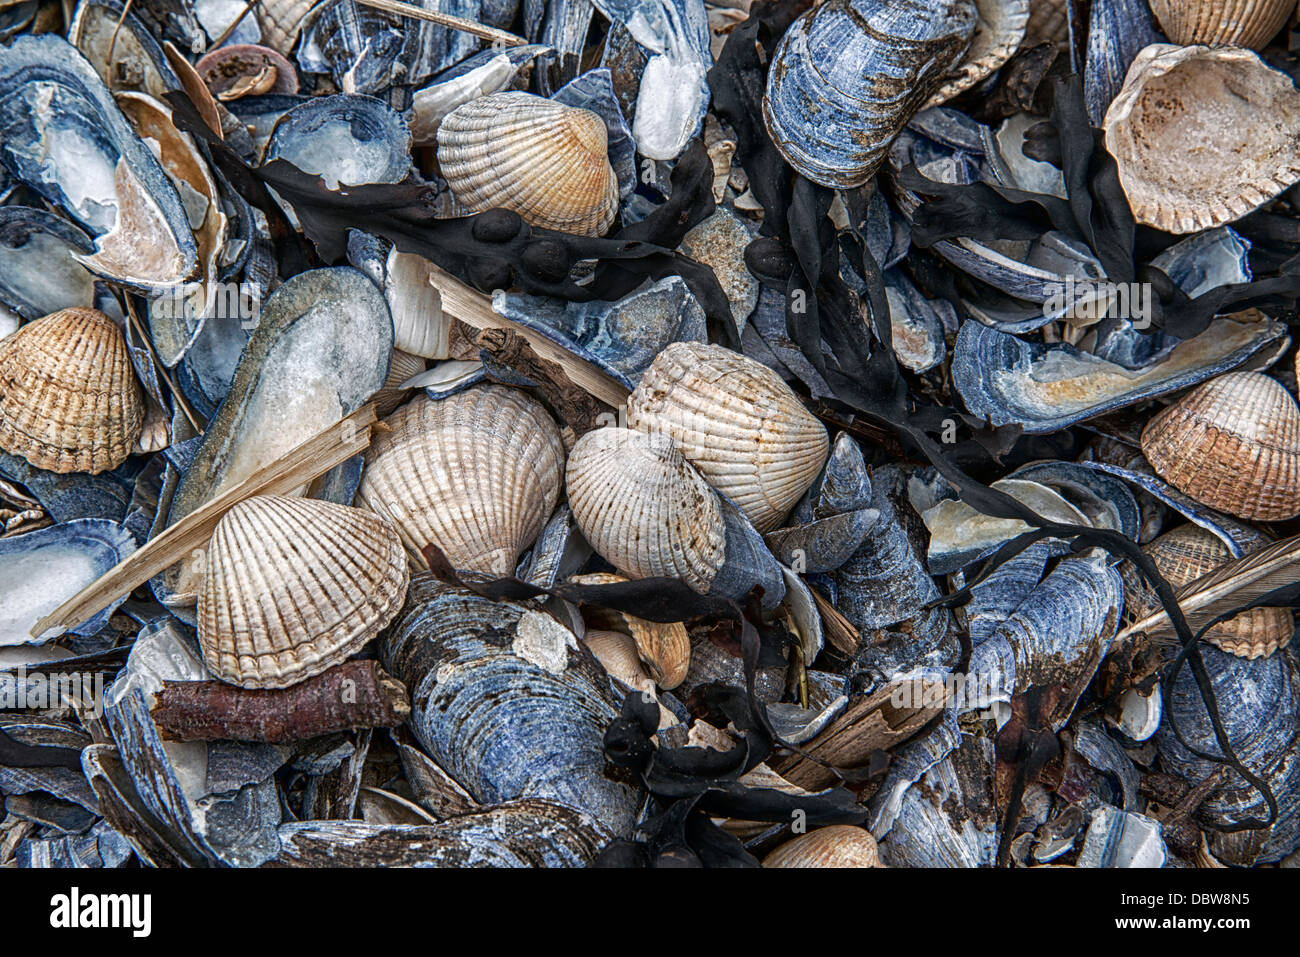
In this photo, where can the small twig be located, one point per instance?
(490, 34)
(177, 397)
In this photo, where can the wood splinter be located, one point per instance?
(355, 694)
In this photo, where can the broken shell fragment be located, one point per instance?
(69, 399)
(840, 845)
(665, 649)
(1000, 27)
(1216, 23)
(245, 69)
(293, 586)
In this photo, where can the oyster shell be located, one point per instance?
(476, 474)
(1216, 23)
(1202, 136)
(840, 845)
(69, 400)
(1232, 443)
(292, 587)
(545, 161)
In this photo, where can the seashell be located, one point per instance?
(665, 649)
(1218, 23)
(840, 845)
(545, 161)
(280, 21)
(404, 366)
(849, 74)
(1118, 838)
(246, 69)
(420, 327)
(69, 400)
(477, 474)
(1118, 30)
(1202, 136)
(735, 421)
(644, 508)
(1232, 443)
(1000, 27)
(488, 71)
(1186, 553)
(292, 587)
(38, 273)
(346, 139)
(124, 54)
(1048, 21)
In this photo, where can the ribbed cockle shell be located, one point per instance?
(840, 845)
(294, 586)
(69, 401)
(664, 647)
(546, 161)
(1238, 23)
(737, 422)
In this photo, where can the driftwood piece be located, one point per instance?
(574, 404)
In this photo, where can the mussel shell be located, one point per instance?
(38, 273)
(348, 139)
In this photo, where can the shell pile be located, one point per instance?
(857, 433)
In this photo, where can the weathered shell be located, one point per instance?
(1232, 443)
(849, 74)
(1118, 30)
(544, 160)
(347, 139)
(476, 474)
(1202, 136)
(1000, 27)
(840, 845)
(246, 69)
(292, 587)
(420, 327)
(404, 366)
(38, 274)
(665, 649)
(735, 421)
(1217, 23)
(644, 508)
(280, 21)
(69, 400)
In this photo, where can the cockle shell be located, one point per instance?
(840, 845)
(404, 366)
(69, 400)
(294, 586)
(1239, 23)
(665, 648)
(476, 474)
(546, 161)
(1002, 25)
(1232, 443)
(1184, 555)
(1202, 136)
(737, 422)
(644, 508)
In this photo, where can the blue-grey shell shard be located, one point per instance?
(204, 375)
(917, 323)
(621, 338)
(674, 91)
(1257, 703)
(506, 701)
(357, 46)
(849, 74)
(1206, 260)
(822, 545)
(747, 561)
(594, 91)
(172, 20)
(62, 135)
(1047, 387)
(15, 17)
(1103, 499)
(38, 274)
(137, 60)
(1117, 33)
(259, 114)
(75, 494)
(40, 570)
(996, 598)
(217, 16)
(565, 32)
(428, 48)
(346, 139)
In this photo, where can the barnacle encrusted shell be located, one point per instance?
(644, 508)
(664, 648)
(840, 845)
(546, 161)
(1202, 136)
(737, 422)
(1240, 23)
(294, 586)
(1232, 443)
(476, 474)
(69, 400)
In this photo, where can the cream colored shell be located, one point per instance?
(664, 648)
(644, 508)
(402, 367)
(998, 32)
(737, 422)
(546, 161)
(840, 845)
(294, 586)
(69, 400)
(477, 474)
(1240, 23)
(1202, 136)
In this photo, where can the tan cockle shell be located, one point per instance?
(1232, 443)
(665, 649)
(403, 366)
(737, 422)
(1202, 136)
(294, 586)
(69, 401)
(644, 508)
(1002, 26)
(1241, 23)
(840, 845)
(477, 474)
(546, 161)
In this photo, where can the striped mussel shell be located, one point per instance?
(1202, 136)
(1232, 443)
(644, 508)
(1183, 555)
(477, 474)
(545, 161)
(664, 648)
(735, 420)
(294, 586)
(840, 845)
(1216, 23)
(69, 400)
(849, 74)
